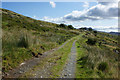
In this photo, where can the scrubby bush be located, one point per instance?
(62, 26)
(95, 33)
(70, 27)
(103, 66)
(91, 41)
(83, 28)
(90, 29)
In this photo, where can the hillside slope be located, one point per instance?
(24, 38)
(98, 55)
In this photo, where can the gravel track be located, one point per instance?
(70, 66)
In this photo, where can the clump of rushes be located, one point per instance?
(23, 42)
(91, 41)
(103, 66)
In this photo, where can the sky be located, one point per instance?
(102, 16)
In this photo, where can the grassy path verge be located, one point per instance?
(80, 54)
(82, 69)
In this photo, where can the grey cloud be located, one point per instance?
(105, 3)
(96, 13)
(80, 18)
(111, 12)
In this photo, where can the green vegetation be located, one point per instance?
(91, 41)
(84, 69)
(24, 38)
(70, 27)
(57, 59)
(97, 57)
(65, 26)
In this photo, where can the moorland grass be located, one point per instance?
(24, 38)
(99, 60)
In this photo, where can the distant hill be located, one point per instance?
(115, 33)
